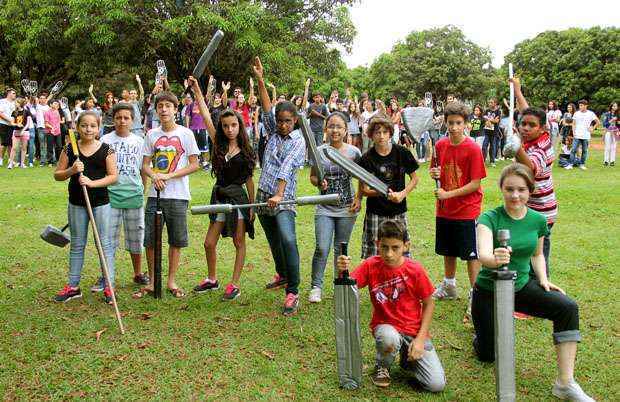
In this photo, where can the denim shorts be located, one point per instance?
(174, 217)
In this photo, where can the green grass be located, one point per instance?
(200, 347)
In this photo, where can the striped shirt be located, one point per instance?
(540, 152)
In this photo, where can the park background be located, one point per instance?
(199, 347)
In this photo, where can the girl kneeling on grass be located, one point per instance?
(538, 298)
(97, 163)
(232, 161)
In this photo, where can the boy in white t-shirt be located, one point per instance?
(127, 195)
(173, 151)
(582, 131)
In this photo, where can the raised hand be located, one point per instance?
(258, 68)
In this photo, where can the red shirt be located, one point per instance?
(460, 164)
(395, 293)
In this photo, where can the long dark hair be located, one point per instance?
(218, 156)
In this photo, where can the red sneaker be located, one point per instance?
(67, 293)
(521, 316)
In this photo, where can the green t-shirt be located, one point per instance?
(524, 235)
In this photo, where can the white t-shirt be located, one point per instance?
(128, 190)
(583, 120)
(6, 108)
(41, 109)
(170, 151)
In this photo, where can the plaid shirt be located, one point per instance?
(283, 156)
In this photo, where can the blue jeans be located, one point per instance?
(280, 233)
(584, 151)
(318, 138)
(326, 229)
(78, 224)
(42, 145)
(489, 146)
(31, 146)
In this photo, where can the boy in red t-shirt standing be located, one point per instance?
(401, 296)
(459, 198)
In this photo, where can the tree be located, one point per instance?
(439, 60)
(82, 41)
(570, 65)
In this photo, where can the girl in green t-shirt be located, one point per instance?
(539, 298)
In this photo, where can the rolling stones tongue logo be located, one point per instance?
(168, 151)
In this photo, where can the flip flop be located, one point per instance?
(177, 292)
(141, 293)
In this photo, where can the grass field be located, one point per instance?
(202, 348)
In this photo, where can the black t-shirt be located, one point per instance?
(476, 126)
(390, 169)
(236, 170)
(491, 114)
(94, 169)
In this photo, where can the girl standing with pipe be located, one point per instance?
(97, 163)
(233, 162)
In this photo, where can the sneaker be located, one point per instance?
(570, 392)
(521, 316)
(291, 303)
(207, 285)
(492, 164)
(568, 167)
(381, 377)
(445, 292)
(605, 164)
(68, 293)
(30, 165)
(10, 165)
(142, 279)
(107, 296)
(278, 282)
(23, 165)
(315, 295)
(583, 167)
(612, 164)
(231, 292)
(98, 286)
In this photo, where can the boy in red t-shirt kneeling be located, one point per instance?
(458, 164)
(401, 296)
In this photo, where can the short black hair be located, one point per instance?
(582, 102)
(536, 112)
(122, 106)
(168, 97)
(391, 229)
(456, 108)
(286, 106)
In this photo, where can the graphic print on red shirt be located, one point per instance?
(460, 164)
(395, 292)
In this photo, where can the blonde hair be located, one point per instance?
(518, 169)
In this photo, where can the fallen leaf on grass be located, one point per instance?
(10, 286)
(595, 326)
(77, 394)
(145, 316)
(98, 334)
(122, 358)
(184, 308)
(268, 355)
(144, 345)
(248, 267)
(453, 346)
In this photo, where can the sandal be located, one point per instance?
(141, 293)
(177, 292)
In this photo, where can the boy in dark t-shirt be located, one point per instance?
(389, 162)
(491, 128)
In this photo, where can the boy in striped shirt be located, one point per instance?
(537, 153)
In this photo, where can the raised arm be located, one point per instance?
(225, 88)
(258, 70)
(140, 88)
(90, 93)
(251, 89)
(521, 101)
(204, 110)
(304, 101)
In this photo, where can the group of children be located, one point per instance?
(400, 289)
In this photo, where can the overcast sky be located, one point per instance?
(381, 23)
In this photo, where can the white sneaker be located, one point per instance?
(445, 291)
(583, 167)
(315, 295)
(30, 165)
(568, 167)
(570, 392)
(10, 165)
(422, 160)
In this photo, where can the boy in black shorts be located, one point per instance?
(460, 169)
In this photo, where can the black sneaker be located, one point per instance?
(612, 164)
(605, 164)
(142, 279)
(278, 282)
(207, 285)
(68, 293)
(107, 296)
